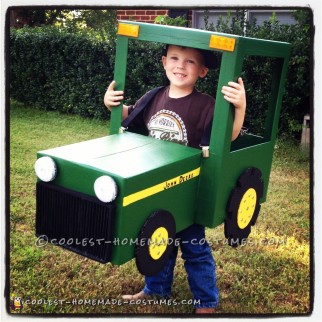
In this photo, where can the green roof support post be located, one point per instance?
(278, 85)
(211, 195)
(119, 77)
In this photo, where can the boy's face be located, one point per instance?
(183, 66)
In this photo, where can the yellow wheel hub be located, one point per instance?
(246, 208)
(158, 243)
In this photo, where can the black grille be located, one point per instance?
(75, 221)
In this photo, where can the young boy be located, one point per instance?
(179, 113)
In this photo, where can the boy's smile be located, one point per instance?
(179, 75)
(183, 67)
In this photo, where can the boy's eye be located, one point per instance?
(190, 61)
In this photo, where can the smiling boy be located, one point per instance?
(179, 113)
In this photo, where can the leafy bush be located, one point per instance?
(144, 69)
(55, 70)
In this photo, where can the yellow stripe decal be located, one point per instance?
(160, 187)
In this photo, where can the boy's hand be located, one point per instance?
(112, 97)
(235, 94)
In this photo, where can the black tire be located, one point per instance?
(243, 206)
(151, 255)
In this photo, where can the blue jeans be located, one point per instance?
(200, 267)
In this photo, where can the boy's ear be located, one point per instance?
(203, 71)
(164, 60)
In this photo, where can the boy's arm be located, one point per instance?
(235, 94)
(112, 98)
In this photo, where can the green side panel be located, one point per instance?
(212, 202)
(179, 200)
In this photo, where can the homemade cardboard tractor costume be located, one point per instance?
(126, 195)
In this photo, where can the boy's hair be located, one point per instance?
(211, 60)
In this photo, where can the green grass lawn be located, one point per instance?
(270, 274)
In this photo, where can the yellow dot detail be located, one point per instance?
(246, 208)
(158, 243)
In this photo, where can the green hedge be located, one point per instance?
(56, 70)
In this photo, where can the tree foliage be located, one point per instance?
(21, 17)
(102, 23)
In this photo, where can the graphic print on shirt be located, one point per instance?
(168, 126)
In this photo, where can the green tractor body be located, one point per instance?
(159, 186)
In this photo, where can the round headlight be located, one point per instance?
(46, 169)
(105, 188)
